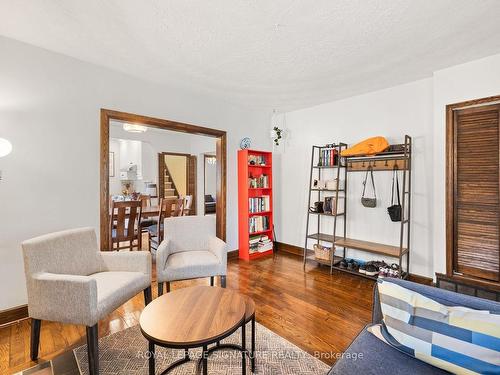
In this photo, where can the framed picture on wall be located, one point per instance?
(111, 164)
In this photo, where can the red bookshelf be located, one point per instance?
(255, 203)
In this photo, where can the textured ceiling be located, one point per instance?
(273, 53)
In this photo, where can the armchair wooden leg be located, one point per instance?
(160, 289)
(223, 281)
(168, 286)
(211, 281)
(93, 349)
(35, 338)
(147, 296)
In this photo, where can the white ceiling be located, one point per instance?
(274, 53)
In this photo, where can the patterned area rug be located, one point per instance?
(125, 353)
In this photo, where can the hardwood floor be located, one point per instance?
(319, 312)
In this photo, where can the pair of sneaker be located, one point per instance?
(390, 271)
(369, 269)
(349, 264)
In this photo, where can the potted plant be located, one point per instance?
(276, 135)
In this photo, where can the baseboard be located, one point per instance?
(13, 314)
(233, 254)
(298, 251)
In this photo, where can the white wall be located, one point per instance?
(394, 112)
(473, 80)
(416, 108)
(50, 181)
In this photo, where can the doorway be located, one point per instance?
(106, 159)
(209, 183)
(177, 177)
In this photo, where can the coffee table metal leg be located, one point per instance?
(243, 350)
(151, 349)
(253, 344)
(205, 360)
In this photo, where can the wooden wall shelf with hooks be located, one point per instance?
(379, 164)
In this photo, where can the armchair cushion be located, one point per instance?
(187, 233)
(72, 252)
(190, 265)
(116, 288)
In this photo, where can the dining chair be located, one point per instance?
(125, 224)
(178, 210)
(165, 209)
(188, 202)
(145, 200)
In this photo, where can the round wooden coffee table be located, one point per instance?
(249, 318)
(193, 317)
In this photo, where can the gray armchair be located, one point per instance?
(190, 250)
(70, 281)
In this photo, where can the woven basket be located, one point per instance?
(322, 252)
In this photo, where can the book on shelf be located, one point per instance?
(257, 160)
(259, 204)
(258, 182)
(260, 244)
(258, 224)
(327, 156)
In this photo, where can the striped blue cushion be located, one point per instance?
(455, 339)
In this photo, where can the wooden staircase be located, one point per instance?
(170, 191)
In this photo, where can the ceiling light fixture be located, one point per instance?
(5, 147)
(134, 128)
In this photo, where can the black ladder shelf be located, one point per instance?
(319, 169)
(398, 156)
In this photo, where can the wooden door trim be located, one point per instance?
(451, 172)
(106, 115)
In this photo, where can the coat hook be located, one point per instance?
(374, 163)
(363, 165)
(386, 163)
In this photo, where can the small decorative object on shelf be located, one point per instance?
(245, 143)
(255, 204)
(257, 160)
(258, 182)
(322, 252)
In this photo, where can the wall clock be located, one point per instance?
(245, 143)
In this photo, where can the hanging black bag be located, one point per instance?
(369, 202)
(395, 209)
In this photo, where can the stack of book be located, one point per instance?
(258, 182)
(256, 160)
(328, 157)
(259, 204)
(260, 244)
(258, 224)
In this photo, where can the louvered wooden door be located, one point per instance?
(476, 192)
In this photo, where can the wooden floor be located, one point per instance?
(319, 312)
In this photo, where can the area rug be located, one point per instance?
(125, 352)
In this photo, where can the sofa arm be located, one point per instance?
(162, 254)
(132, 261)
(219, 249)
(63, 298)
